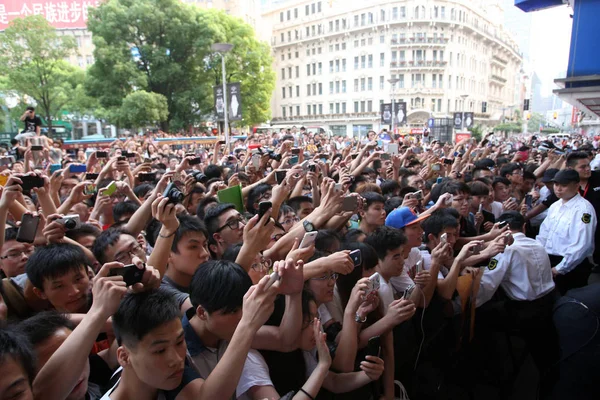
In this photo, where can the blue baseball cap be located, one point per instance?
(402, 217)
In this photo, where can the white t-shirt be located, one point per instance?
(497, 208)
(324, 314)
(404, 281)
(335, 307)
(386, 293)
(255, 373)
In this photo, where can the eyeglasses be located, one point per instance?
(332, 276)
(275, 238)
(13, 255)
(134, 250)
(233, 224)
(518, 173)
(265, 197)
(463, 200)
(289, 221)
(263, 265)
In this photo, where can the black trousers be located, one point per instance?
(577, 277)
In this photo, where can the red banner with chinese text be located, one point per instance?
(61, 14)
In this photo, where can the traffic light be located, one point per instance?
(526, 105)
(555, 115)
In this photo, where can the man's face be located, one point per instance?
(393, 263)
(461, 203)
(375, 214)
(288, 221)
(566, 191)
(583, 168)
(306, 207)
(67, 186)
(229, 235)
(48, 347)
(221, 324)
(485, 173)
(501, 192)
(124, 249)
(69, 292)
(158, 359)
(14, 382)
(451, 236)
(13, 257)
(82, 210)
(195, 199)
(527, 185)
(414, 235)
(192, 250)
(516, 178)
(416, 181)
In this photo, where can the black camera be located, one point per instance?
(173, 193)
(273, 156)
(199, 177)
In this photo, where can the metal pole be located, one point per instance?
(393, 112)
(226, 122)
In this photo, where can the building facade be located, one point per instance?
(334, 61)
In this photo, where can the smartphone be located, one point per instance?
(356, 257)
(31, 181)
(419, 266)
(374, 347)
(418, 195)
(110, 189)
(436, 167)
(408, 292)
(338, 187)
(89, 189)
(480, 207)
(263, 207)
(37, 148)
(386, 157)
(477, 249)
(54, 168)
(502, 224)
(221, 142)
(131, 274)
(127, 154)
(256, 161)
(274, 277)
(122, 158)
(293, 160)
(308, 239)
(448, 161)
(393, 148)
(529, 200)
(295, 151)
(28, 228)
(195, 161)
(439, 180)
(77, 168)
(102, 154)
(444, 238)
(147, 176)
(280, 175)
(373, 284)
(349, 203)
(3, 180)
(91, 177)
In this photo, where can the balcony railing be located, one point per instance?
(423, 64)
(328, 117)
(498, 78)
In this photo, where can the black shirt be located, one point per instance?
(32, 123)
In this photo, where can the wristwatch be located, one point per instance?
(308, 226)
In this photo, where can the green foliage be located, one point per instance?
(508, 127)
(550, 130)
(476, 132)
(533, 125)
(32, 60)
(142, 108)
(172, 56)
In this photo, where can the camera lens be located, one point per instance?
(175, 196)
(70, 224)
(200, 177)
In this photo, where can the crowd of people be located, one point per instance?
(346, 269)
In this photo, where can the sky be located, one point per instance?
(549, 45)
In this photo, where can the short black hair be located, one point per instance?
(295, 202)
(575, 156)
(140, 313)
(479, 188)
(285, 209)
(231, 253)
(255, 193)
(388, 187)
(219, 285)
(529, 175)
(54, 260)
(211, 219)
(30, 108)
(83, 230)
(187, 224)
(500, 179)
(391, 204)
(142, 189)
(107, 238)
(124, 208)
(201, 210)
(384, 239)
(352, 235)
(508, 169)
(213, 171)
(10, 234)
(514, 218)
(454, 188)
(14, 344)
(372, 198)
(43, 325)
(437, 222)
(326, 238)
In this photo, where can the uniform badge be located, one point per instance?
(586, 218)
(493, 264)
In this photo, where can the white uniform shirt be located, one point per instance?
(566, 233)
(523, 271)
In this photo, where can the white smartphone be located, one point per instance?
(308, 239)
(274, 277)
(338, 187)
(419, 266)
(373, 284)
(444, 238)
(480, 207)
(256, 161)
(392, 148)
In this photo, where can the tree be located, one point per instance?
(142, 108)
(537, 119)
(508, 127)
(163, 46)
(476, 132)
(32, 58)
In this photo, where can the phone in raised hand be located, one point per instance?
(308, 239)
(263, 207)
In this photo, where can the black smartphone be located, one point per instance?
(529, 200)
(374, 346)
(349, 203)
(502, 224)
(263, 207)
(448, 161)
(31, 181)
(122, 158)
(280, 175)
(102, 154)
(221, 142)
(91, 177)
(147, 177)
(128, 154)
(295, 151)
(28, 228)
(131, 273)
(195, 161)
(356, 257)
(37, 148)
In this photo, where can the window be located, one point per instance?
(362, 84)
(356, 43)
(282, 73)
(314, 89)
(356, 106)
(290, 111)
(331, 66)
(402, 55)
(344, 86)
(307, 69)
(370, 41)
(356, 85)
(314, 109)
(381, 83)
(289, 14)
(337, 65)
(362, 106)
(330, 48)
(320, 68)
(319, 6)
(344, 46)
(370, 60)
(381, 59)
(330, 26)
(343, 65)
(443, 15)
(307, 31)
(312, 8)
(331, 108)
(295, 13)
(330, 87)
(283, 92)
(320, 88)
(441, 81)
(308, 52)
(337, 86)
(297, 71)
(363, 43)
(297, 110)
(282, 38)
(382, 39)
(356, 20)
(337, 47)
(356, 62)
(343, 108)
(382, 15)
(290, 94)
(313, 52)
(314, 68)
(337, 108)
(318, 50)
(363, 19)
(434, 81)
(402, 12)
(363, 61)
(439, 102)
(370, 84)
(282, 57)
(281, 19)
(308, 107)
(308, 89)
(320, 108)
(297, 90)
(449, 81)
(401, 81)
(369, 105)
(395, 13)
(283, 108)
(337, 25)
(290, 72)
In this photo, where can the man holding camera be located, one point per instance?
(32, 123)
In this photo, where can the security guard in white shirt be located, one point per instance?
(524, 273)
(567, 233)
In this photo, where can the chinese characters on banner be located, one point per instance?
(69, 14)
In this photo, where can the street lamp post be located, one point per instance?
(393, 82)
(223, 48)
(462, 121)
